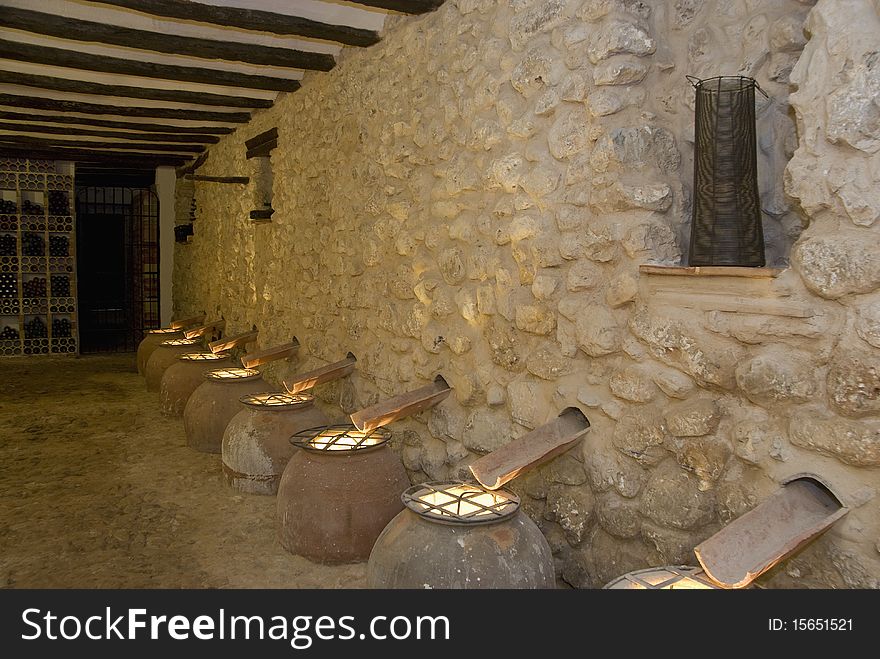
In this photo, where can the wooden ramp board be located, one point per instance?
(232, 341)
(397, 407)
(266, 355)
(531, 450)
(750, 545)
(201, 330)
(187, 322)
(309, 379)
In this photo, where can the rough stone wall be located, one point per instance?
(473, 196)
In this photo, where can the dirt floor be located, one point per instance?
(99, 490)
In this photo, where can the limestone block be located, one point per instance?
(545, 252)
(495, 395)
(594, 10)
(566, 470)
(753, 441)
(633, 384)
(777, 376)
(640, 435)
(508, 171)
(621, 196)
(547, 363)
(542, 17)
(839, 264)
(852, 109)
(621, 289)
(673, 546)
(699, 416)
(535, 70)
(568, 135)
(573, 509)
(619, 517)
(636, 147)
(672, 498)
(619, 71)
(535, 319)
(583, 275)
(652, 239)
(853, 384)
(451, 264)
(503, 346)
(854, 443)
(706, 457)
(486, 300)
(616, 36)
(868, 320)
(432, 456)
(596, 330)
(672, 382)
(544, 286)
(574, 88)
(526, 403)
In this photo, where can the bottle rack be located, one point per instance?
(37, 253)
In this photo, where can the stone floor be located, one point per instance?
(98, 490)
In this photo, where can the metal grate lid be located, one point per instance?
(340, 438)
(232, 374)
(681, 577)
(273, 401)
(460, 503)
(179, 342)
(202, 357)
(165, 330)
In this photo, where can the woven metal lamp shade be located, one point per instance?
(726, 224)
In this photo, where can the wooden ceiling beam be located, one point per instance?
(49, 143)
(250, 19)
(117, 35)
(195, 131)
(57, 105)
(92, 132)
(149, 93)
(403, 6)
(91, 155)
(25, 52)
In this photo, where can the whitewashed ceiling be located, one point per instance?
(150, 82)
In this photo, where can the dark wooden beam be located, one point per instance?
(48, 143)
(403, 6)
(262, 144)
(250, 19)
(25, 52)
(262, 215)
(150, 93)
(195, 131)
(89, 155)
(56, 105)
(89, 31)
(94, 132)
(238, 180)
(192, 167)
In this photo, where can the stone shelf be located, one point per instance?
(709, 271)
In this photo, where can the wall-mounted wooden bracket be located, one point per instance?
(232, 341)
(261, 145)
(201, 330)
(310, 379)
(397, 407)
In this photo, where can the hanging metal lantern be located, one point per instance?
(164, 356)
(256, 442)
(182, 378)
(682, 577)
(152, 339)
(215, 402)
(338, 492)
(460, 535)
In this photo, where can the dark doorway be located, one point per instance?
(117, 243)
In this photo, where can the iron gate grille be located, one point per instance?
(117, 266)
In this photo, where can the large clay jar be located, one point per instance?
(183, 377)
(152, 339)
(338, 493)
(431, 545)
(164, 356)
(256, 443)
(215, 402)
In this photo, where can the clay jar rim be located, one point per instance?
(252, 374)
(692, 572)
(176, 343)
(297, 401)
(164, 330)
(198, 357)
(413, 504)
(303, 439)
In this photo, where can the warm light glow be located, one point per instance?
(274, 400)
(165, 330)
(202, 357)
(663, 578)
(462, 500)
(232, 373)
(179, 342)
(333, 440)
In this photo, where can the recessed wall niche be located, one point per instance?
(258, 150)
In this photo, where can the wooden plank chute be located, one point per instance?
(230, 342)
(201, 330)
(397, 407)
(310, 379)
(531, 450)
(183, 323)
(266, 355)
